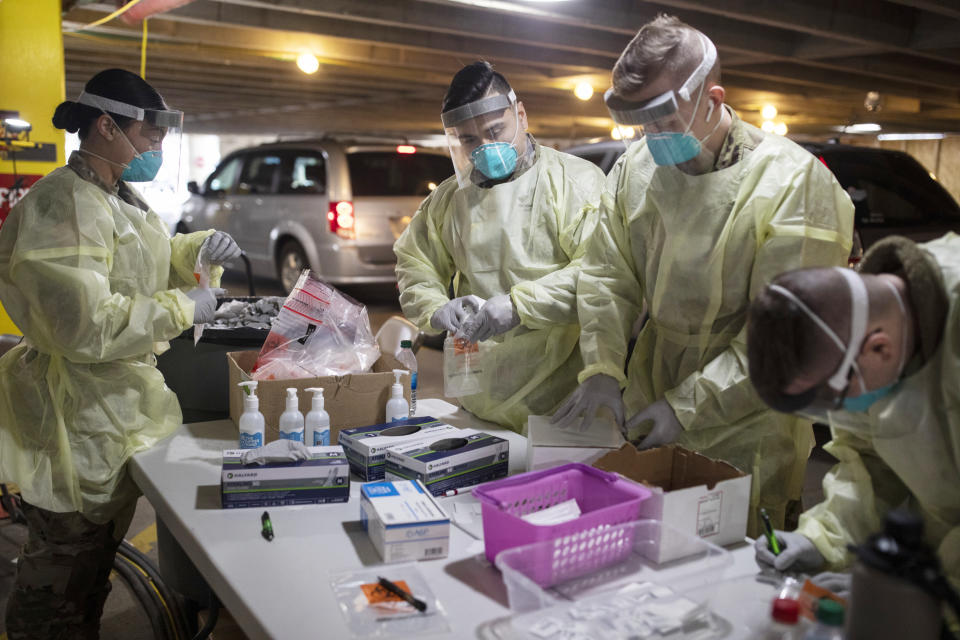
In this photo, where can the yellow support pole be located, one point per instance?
(32, 77)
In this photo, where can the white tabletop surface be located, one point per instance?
(281, 589)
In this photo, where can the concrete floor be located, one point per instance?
(124, 619)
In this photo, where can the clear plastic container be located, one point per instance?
(606, 559)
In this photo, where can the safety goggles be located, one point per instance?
(660, 113)
(165, 118)
(821, 399)
(482, 137)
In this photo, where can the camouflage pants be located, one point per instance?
(63, 575)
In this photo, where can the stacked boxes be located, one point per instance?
(404, 521)
(366, 447)
(449, 461)
(325, 477)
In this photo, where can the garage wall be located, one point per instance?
(940, 157)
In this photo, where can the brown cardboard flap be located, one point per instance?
(669, 467)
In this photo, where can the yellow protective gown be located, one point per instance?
(515, 238)
(696, 249)
(905, 450)
(94, 283)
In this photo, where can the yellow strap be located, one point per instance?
(119, 12)
(143, 52)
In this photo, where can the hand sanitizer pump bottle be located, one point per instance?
(318, 421)
(397, 407)
(251, 420)
(291, 420)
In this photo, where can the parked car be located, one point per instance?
(333, 207)
(892, 193)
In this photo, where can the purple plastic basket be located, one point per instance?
(604, 499)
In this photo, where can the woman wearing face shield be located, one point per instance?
(91, 276)
(506, 229)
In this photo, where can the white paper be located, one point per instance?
(557, 514)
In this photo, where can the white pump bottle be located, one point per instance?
(251, 420)
(397, 407)
(318, 421)
(291, 420)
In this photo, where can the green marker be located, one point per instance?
(267, 527)
(772, 541)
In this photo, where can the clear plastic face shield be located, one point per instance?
(818, 401)
(154, 138)
(666, 121)
(483, 137)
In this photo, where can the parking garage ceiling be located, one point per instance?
(385, 65)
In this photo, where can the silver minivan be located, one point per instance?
(333, 207)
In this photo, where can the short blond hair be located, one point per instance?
(661, 45)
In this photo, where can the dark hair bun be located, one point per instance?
(63, 117)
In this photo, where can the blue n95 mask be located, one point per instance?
(496, 160)
(864, 401)
(144, 167)
(670, 148)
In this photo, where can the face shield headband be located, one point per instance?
(494, 160)
(166, 118)
(815, 401)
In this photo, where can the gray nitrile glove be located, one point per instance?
(276, 451)
(204, 304)
(593, 393)
(666, 428)
(797, 553)
(218, 248)
(838, 583)
(450, 316)
(497, 315)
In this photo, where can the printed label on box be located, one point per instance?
(708, 514)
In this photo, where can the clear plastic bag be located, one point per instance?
(318, 332)
(201, 271)
(372, 612)
(463, 364)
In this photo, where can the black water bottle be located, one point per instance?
(893, 590)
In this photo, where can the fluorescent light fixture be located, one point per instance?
(769, 112)
(308, 62)
(583, 90)
(911, 136)
(16, 125)
(865, 127)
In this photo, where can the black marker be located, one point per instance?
(266, 527)
(417, 604)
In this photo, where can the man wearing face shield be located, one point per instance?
(92, 277)
(699, 213)
(876, 356)
(505, 228)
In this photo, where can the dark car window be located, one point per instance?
(387, 173)
(261, 174)
(224, 179)
(891, 189)
(303, 172)
(596, 157)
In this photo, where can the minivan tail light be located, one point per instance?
(821, 158)
(341, 219)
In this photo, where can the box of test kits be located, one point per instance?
(449, 461)
(404, 521)
(353, 400)
(692, 493)
(366, 447)
(324, 477)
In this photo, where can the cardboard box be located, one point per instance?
(549, 446)
(325, 477)
(352, 401)
(366, 447)
(450, 461)
(404, 521)
(694, 494)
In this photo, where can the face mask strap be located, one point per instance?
(859, 315)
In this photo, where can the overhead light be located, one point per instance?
(768, 126)
(406, 148)
(16, 125)
(866, 127)
(431, 186)
(769, 112)
(619, 133)
(911, 136)
(932, 175)
(308, 62)
(584, 91)
(780, 129)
